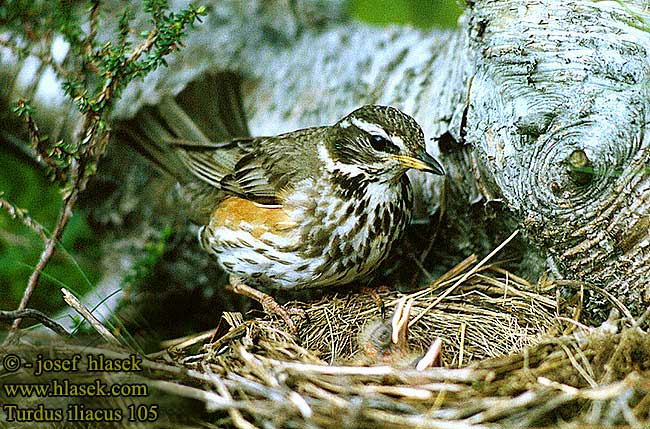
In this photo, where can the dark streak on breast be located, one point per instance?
(349, 187)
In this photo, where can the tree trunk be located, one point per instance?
(557, 114)
(536, 108)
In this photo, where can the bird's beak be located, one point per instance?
(400, 322)
(423, 162)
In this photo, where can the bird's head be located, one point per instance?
(379, 142)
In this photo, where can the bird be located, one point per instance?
(385, 342)
(310, 208)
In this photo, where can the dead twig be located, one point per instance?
(29, 313)
(73, 302)
(48, 251)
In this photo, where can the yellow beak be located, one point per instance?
(424, 162)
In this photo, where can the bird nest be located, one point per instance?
(509, 354)
(508, 359)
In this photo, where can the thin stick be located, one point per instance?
(458, 375)
(73, 302)
(50, 245)
(212, 401)
(190, 340)
(17, 213)
(238, 420)
(514, 277)
(30, 313)
(462, 344)
(456, 270)
(462, 279)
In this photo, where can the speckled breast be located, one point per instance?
(316, 238)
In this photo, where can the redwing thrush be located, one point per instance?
(309, 208)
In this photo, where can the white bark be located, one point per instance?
(556, 78)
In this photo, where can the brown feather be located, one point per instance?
(237, 213)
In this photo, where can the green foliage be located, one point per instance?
(93, 75)
(97, 71)
(421, 13)
(58, 155)
(74, 265)
(118, 64)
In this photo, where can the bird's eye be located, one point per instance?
(382, 144)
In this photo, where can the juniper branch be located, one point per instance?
(24, 217)
(116, 67)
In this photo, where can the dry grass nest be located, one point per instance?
(513, 355)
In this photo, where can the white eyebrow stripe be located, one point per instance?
(347, 169)
(370, 128)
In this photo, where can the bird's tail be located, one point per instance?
(208, 110)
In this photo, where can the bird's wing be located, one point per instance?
(208, 110)
(257, 178)
(207, 161)
(257, 169)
